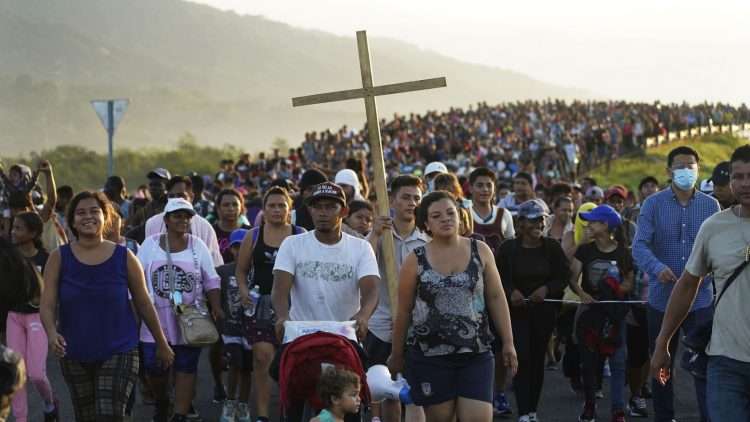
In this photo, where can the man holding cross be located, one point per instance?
(405, 195)
(404, 223)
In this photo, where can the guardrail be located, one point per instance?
(694, 132)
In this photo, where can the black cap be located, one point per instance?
(720, 175)
(159, 173)
(327, 190)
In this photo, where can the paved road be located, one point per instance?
(558, 404)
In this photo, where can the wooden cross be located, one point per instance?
(368, 92)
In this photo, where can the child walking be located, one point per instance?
(236, 348)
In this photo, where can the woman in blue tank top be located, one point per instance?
(92, 281)
(448, 291)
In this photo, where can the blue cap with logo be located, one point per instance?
(237, 236)
(603, 214)
(533, 209)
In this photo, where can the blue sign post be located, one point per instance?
(110, 113)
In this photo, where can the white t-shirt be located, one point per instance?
(720, 247)
(506, 225)
(326, 277)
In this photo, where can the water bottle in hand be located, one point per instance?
(254, 297)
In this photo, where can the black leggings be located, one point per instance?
(532, 329)
(637, 337)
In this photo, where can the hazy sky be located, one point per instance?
(636, 49)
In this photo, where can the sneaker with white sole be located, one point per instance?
(532, 417)
(228, 411)
(637, 407)
(524, 418)
(500, 406)
(589, 412)
(243, 413)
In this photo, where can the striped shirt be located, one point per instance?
(665, 236)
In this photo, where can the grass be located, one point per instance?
(629, 170)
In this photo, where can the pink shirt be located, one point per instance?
(194, 275)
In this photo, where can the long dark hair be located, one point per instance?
(100, 198)
(21, 281)
(34, 224)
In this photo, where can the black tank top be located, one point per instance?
(264, 258)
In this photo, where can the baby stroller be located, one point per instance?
(300, 364)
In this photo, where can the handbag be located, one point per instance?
(196, 325)
(694, 359)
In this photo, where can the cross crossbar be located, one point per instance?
(355, 94)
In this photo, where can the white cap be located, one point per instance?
(435, 167)
(349, 177)
(178, 204)
(707, 186)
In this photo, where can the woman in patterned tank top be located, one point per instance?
(448, 291)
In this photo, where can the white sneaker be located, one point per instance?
(524, 418)
(243, 413)
(532, 417)
(228, 411)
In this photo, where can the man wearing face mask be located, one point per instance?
(667, 226)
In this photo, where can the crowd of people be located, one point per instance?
(507, 267)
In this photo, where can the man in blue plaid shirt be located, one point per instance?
(667, 226)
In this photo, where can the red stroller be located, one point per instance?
(300, 368)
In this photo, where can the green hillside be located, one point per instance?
(186, 67)
(630, 170)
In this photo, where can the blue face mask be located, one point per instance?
(685, 179)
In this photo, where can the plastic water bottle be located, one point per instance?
(254, 297)
(614, 272)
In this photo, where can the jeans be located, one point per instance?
(591, 365)
(663, 399)
(728, 392)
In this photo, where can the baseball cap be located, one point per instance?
(237, 236)
(435, 167)
(595, 192)
(616, 190)
(603, 214)
(178, 204)
(327, 190)
(533, 209)
(159, 173)
(720, 176)
(707, 186)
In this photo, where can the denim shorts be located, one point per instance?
(185, 359)
(437, 379)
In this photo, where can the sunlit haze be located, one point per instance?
(636, 50)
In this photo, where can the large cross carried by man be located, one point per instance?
(368, 92)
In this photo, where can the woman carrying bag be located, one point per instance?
(179, 271)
